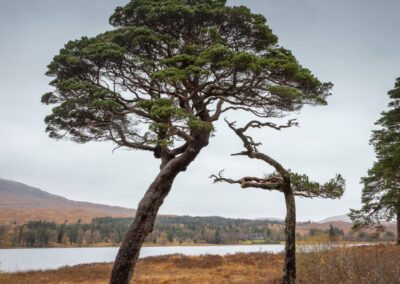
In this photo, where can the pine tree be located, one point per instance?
(160, 80)
(283, 180)
(381, 187)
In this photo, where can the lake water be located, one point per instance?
(12, 260)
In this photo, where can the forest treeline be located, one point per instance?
(167, 230)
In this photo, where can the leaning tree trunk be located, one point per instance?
(289, 269)
(147, 211)
(398, 226)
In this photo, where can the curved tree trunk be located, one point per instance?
(398, 226)
(289, 270)
(147, 211)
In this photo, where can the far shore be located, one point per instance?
(107, 245)
(101, 245)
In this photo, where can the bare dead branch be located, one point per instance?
(251, 147)
(270, 183)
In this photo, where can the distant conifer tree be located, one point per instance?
(381, 192)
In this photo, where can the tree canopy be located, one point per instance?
(169, 68)
(381, 187)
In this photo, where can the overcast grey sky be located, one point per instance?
(354, 44)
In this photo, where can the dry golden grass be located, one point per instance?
(374, 264)
(239, 268)
(350, 265)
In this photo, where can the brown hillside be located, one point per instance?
(345, 226)
(21, 203)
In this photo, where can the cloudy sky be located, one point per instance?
(354, 44)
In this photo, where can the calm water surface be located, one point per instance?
(12, 260)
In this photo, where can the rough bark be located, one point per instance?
(398, 226)
(289, 269)
(147, 211)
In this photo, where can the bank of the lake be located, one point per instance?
(12, 260)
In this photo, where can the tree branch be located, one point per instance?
(270, 183)
(251, 146)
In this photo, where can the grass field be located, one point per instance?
(371, 264)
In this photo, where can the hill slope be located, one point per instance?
(21, 203)
(342, 218)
